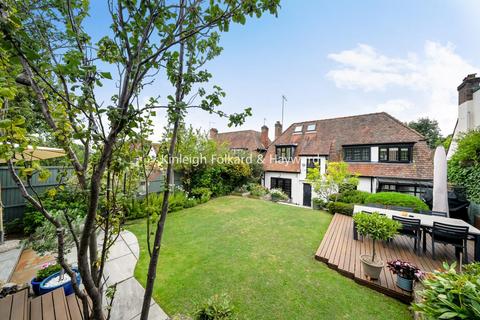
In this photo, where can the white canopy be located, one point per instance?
(37, 153)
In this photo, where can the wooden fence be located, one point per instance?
(14, 203)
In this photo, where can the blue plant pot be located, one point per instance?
(404, 283)
(36, 286)
(67, 287)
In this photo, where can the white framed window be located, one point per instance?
(298, 129)
(311, 127)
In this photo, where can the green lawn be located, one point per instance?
(262, 255)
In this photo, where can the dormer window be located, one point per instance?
(298, 129)
(311, 127)
(285, 153)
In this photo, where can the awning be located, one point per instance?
(37, 153)
(416, 183)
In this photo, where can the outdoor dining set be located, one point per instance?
(440, 228)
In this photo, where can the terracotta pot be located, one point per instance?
(371, 268)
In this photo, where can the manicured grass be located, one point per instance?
(262, 255)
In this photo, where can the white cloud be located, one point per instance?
(433, 75)
(395, 107)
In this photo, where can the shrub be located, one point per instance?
(352, 196)
(318, 203)
(215, 308)
(340, 207)
(397, 199)
(278, 195)
(257, 190)
(177, 201)
(451, 295)
(47, 270)
(14, 226)
(348, 186)
(65, 199)
(202, 194)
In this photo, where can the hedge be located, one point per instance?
(340, 207)
(397, 199)
(351, 196)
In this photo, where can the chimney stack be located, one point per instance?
(278, 129)
(264, 136)
(213, 133)
(468, 86)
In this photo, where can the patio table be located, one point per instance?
(426, 221)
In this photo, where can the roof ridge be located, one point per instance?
(342, 117)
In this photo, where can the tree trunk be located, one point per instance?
(152, 267)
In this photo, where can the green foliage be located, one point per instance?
(14, 226)
(44, 239)
(221, 178)
(376, 226)
(278, 195)
(257, 190)
(217, 307)
(336, 176)
(202, 194)
(318, 203)
(340, 207)
(429, 129)
(351, 196)
(464, 166)
(451, 295)
(64, 199)
(47, 271)
(397, 199)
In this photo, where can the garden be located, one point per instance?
(260, 255)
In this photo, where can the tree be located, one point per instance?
(429, 129)
(464, 166)
(45, 50)
(337, 174)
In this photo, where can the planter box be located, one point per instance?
(67, 286)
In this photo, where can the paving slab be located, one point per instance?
(8, 261)
(120, 269)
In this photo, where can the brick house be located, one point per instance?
(387, 154)
(244, 140)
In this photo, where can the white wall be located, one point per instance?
(365, 184)
(468, 119)
(374, 154)
(297, 186)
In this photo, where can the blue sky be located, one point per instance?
(337, 58)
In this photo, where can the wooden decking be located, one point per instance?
(341, 252)
(52, 306)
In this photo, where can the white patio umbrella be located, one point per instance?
(29, 154)
(440, 192)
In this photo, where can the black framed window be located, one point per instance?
(285, 153)
(395, 154)
(311, 163)
(283, 184)
(353, 154)
(413, 190)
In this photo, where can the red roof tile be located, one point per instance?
(331, 135)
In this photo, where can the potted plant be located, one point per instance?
(406, 273)
(46, 270)
(318, 203)
(57, 280)
(278, 195)
(376, 227)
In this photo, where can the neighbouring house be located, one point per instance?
(387, 154)
(244, 140)
(468, 109)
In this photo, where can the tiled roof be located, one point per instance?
(245, 139)
(375, 128)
